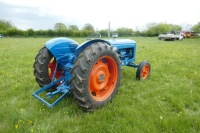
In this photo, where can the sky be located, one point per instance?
(135, 14)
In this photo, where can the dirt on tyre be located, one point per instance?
(95, 76)
(143, 70)
(44, 67)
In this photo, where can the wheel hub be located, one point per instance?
(145, 71)
(100, 76)
(103, 78)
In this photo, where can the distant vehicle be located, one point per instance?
(171, 36)
(194, 34)
(191, 34)
(187, 34)
(1, 35)
(115, 35)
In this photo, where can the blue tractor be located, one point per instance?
(91, 70)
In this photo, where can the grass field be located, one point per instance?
(169, 101)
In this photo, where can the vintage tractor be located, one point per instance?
(91, 71)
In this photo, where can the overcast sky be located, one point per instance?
(43, 14)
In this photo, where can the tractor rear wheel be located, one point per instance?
(95, 76)
(44, 67)
(143, 70)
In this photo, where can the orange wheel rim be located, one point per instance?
(51, 69)
(103, 78)
(145, 71)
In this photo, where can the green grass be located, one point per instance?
(169, 101)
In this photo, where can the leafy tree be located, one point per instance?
(73, 31)
(161, 28)
(158, 29)
(88, 27)
(20, 33)
(73, 28)
(196, 27)
(30, 32)
(87, 30)
(5, 25)
(76, 34)
(175, 27)
(139, 33)
(42, 33)
(151, 24)
(124, 31)
(60, 27)
(50, 33)
(12, 32)
(104, 32)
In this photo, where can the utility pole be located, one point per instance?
(109, 30)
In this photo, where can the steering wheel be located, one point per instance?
(93, 36)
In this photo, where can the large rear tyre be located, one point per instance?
(143, 70)
(95, 76)
(44, 67)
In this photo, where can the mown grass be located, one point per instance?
(169, 101)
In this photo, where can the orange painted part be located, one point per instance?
(145, 71)
(51, 69)
(103, 78)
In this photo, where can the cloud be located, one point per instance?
(43, 14)
(26, 17)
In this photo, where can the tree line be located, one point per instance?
(60, 29)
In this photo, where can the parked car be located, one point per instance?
(171, 36)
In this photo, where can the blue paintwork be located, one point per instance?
(86, 44)
(126, 49)
(61, 46)
(63, 88)
(66, 51)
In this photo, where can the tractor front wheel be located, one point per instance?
(143, 70)
(95, 76)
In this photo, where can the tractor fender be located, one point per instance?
(81, 47)
(61, 46)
